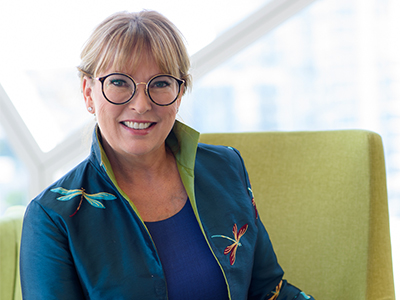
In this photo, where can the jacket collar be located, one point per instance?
(182, 140)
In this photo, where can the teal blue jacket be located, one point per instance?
(84, 239)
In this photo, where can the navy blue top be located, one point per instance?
(190, 268)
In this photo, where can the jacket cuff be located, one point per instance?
(290, 292)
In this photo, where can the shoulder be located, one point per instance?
(220, 164)
(53, 199)
(224, 154)
(217, 159)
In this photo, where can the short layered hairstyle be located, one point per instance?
(125, 38)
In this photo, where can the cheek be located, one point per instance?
(100, 103)
(106, 112)
(171, 113)
(176, 105)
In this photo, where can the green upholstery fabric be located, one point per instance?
(10, 237)
(322, 197)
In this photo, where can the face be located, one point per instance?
(137, 128)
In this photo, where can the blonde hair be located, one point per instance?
(123, 38)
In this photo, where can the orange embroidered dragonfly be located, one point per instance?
(91, 198)
(277, 292)
(236, 242)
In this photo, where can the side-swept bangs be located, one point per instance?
(124, 39)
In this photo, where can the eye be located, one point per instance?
(159, 83)
(117, 82)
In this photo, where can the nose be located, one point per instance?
(140, 101)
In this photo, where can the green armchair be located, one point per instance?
(10, 237)
(322, 197)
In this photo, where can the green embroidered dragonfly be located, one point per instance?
(91, 198)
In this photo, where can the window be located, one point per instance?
(14, 177)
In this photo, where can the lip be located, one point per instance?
(141, 129)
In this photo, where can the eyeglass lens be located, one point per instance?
(119, 88)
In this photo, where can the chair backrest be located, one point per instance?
(10, 240)
(322, 197)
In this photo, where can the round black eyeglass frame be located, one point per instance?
(103, 78)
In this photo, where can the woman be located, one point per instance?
(150, 214)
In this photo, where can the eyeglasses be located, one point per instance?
(119, 88)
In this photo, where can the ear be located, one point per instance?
(87, 91)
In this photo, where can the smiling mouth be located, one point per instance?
(139, 126)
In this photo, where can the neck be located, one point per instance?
(129, 169)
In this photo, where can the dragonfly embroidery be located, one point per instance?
(91, 198)
(236, 242)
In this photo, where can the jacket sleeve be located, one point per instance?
(266, 269)
(47, 267)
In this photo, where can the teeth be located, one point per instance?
(136, 125)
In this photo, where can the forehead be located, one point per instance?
(143, 66)
(130, 62)
(127, 48)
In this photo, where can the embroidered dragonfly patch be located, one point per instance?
(91, 198)
(236, 242)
